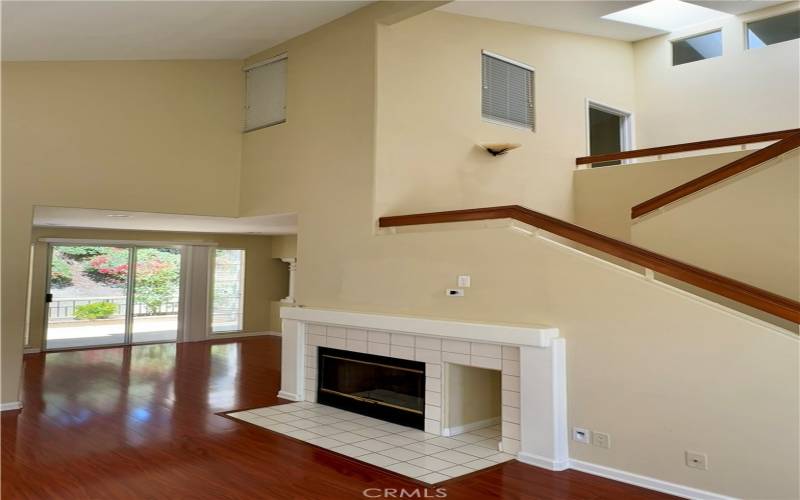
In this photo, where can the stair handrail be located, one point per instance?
(744, 293)
(689, 146)
(735, 167)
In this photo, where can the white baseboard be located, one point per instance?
(13, 405)
(233, 335)
(543, 462)
(290, 396)
(644, 481)
(461, 429)
(31, 350)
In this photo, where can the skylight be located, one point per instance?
(666, 15)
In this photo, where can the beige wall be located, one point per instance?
(429, 113)
(742, 92)
(159, 136)
(266, 279)
(604, 196)
(284, 246)
(473, 395)
(661, 371)
(747, 228)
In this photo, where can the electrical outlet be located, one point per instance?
(581, 435)
(696, 460)
(601, 440)
(464, 281)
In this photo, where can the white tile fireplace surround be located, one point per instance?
(531, 359)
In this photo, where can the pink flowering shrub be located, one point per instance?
(110, 268)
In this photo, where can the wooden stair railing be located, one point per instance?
(754, 159)
(757, 298)
(689, 146)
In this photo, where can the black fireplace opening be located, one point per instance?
(376, 386)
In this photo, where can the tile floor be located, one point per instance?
(426, 457)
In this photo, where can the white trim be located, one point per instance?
(233, 335)
(31, 350)
(682, 37)
(645, 481)
(13, 405)
(271, 60)
(290, 396)
(627, 129)
(543, 462)
(534, 335)
(460, 429)
(508, 60)
(136, 243)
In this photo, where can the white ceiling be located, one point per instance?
(91, 30)
(146, 221)
(582, 16)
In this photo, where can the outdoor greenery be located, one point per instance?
(80, 252)
(157, 274)
(98, 310)
(109, 267)
(157, 277)
(61, 272)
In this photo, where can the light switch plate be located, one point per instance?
(464, 281)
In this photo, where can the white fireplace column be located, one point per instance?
(292, 261)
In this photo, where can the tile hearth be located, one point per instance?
(429, 458)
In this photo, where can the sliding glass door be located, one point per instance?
(87, 296)
(111, 295)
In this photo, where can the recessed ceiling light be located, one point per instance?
(667, 15)
(119, 216)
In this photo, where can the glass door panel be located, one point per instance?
(87, 295)
(156, 295)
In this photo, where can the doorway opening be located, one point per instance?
(112, 295)
(608, 130)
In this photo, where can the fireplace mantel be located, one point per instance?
(531, 358)
(535, 336)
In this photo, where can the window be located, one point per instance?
(773, 30)
(697, 48)
(228, 299)
(265, 94)
(507, 92)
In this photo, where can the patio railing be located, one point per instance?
(63, 309)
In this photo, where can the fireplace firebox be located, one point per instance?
(376, 386)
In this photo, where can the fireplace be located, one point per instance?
(376, 386)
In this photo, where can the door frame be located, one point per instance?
(626, 128)
(129, 292)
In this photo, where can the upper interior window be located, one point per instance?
(507, 92)
(773, 30)
(697, 48)
(265, 94)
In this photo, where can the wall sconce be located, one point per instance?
(499, 148)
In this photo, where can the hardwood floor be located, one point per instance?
(141, 422)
